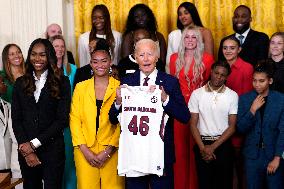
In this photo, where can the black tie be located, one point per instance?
(146, 79)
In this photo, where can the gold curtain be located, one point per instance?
(267, 15)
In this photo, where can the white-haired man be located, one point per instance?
(146, 54)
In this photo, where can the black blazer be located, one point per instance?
(176, 108)
(45, 119)
(254, 48)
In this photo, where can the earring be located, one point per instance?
(110, 70)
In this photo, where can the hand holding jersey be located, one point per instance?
(152, 88)
(142, 120)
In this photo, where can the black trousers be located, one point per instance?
(218, 173)
(50, 171)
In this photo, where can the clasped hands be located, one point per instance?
(207, 153)
(152, 88)
(27, 151)
(95, 160)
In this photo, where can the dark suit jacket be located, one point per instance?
(45, 119)
(254, 48)
(176, 107)
(272, 125)
(83, 73)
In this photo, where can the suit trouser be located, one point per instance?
(89, 177)
(256, 173)
(155, 182)
(50, 171)
(218, 173)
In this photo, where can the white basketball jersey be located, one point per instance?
(142, 120)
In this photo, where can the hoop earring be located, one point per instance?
(110, 70)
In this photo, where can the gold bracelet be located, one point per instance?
(107, 154)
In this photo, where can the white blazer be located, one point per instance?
(8, 143)
(5, 139)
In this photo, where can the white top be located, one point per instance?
(152, 78)
(214, 109)
(174, 39)
(83, 47)
(39, 83)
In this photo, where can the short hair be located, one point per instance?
(265, 66)
(148, 41)
(233, 38)
(151, 25)
(223, 64)
(102, 45)
(47, 28)
(190, 7)
(244, 6)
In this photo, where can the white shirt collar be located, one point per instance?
(42, 76)
(152, 77)
(39, 83)
(243, 34)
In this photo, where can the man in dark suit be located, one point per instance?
(261, 118)
(146, 55)
(254, 44)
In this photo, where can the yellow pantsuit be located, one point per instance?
(83, 130)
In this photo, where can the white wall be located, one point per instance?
(22, 21)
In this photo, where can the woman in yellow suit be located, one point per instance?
(94, 138)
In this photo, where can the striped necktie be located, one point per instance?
(146, 79)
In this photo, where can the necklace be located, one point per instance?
(215, 92)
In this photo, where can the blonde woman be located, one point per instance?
(191, 65)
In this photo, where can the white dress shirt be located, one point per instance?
(39, 83)
(151, 81)
(245, 34)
